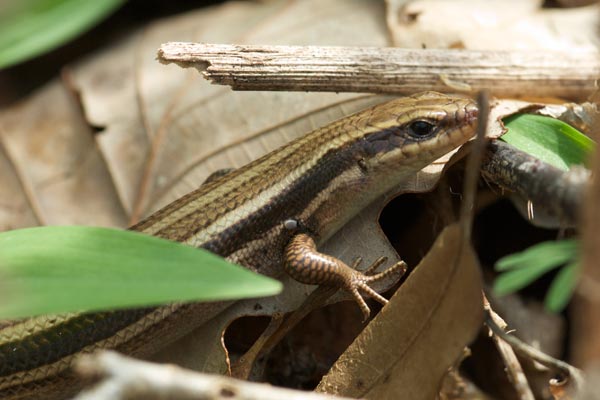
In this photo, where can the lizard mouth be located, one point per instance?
(471, 113)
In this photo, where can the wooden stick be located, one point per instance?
(390, 70)
(126, 379)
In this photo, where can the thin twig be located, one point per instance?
(525, 350)
(473, 165)
(569, 74)
(514, 371)
(127, 378)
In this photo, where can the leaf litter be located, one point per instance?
(164, 130)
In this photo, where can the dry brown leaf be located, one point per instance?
(181, 126)
(52, 170)
(577, 115)
(406, 350)
(162, 129)
(491, 25)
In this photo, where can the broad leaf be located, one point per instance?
(562, 288)
(542, 255)
(31, 27)
(521, 269)
(74, 268)
(548, 139)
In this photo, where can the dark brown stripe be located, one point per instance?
(50, 345)
(377, 141)
(290, 203)
(298, 195)
(59, 386)
(247, 190)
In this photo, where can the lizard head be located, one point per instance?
(415, 131)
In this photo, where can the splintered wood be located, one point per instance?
(389, 70)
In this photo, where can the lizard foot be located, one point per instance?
(360, 280)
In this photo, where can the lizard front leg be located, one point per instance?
(305, 264)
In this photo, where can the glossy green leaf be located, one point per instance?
(521, 269)
(548, 139)
(562, 288)
(29, 28)
(60, 269)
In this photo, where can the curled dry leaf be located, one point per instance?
(581, 116)
(406, 350)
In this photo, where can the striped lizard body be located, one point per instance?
(268, 216)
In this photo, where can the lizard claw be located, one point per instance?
(360, 279)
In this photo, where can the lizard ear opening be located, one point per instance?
(291, 224)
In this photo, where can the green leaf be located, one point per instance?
(29, 28)
(548, 139)
(562, 288)
(511, 281)
(542, 255)
(523, 268)
(50, 270)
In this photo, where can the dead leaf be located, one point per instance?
(491, 25)
(406, 350)
(52, 168)
(162, 130)
(181, 127)
(578, 115)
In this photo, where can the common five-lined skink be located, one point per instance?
(268, 216)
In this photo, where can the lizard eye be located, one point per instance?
(421, 129)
